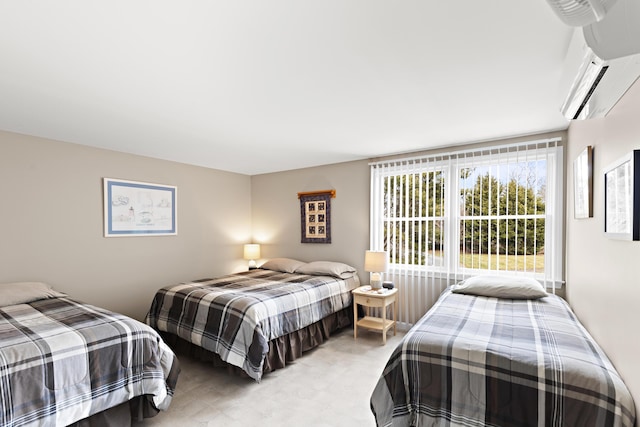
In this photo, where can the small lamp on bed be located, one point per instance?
(376, 264)
(252, 253)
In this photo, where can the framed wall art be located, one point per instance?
(315, 216)
(583, 184)
(622, 198)
(134, 208)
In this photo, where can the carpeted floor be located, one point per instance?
(329, 386)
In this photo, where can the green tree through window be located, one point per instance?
(502, 219)
(413, 212)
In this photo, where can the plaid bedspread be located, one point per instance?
(237, 315)
(476, 361)
(62, 361)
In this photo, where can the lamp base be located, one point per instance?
(376, 284)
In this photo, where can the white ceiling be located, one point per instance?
(256, 86)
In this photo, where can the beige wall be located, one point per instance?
(51, 221)
(276, 213)
(603, 283)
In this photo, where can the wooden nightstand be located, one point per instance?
(369, 299)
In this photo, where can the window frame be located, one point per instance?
(451, 164)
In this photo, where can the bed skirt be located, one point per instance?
(122, 415)
(136, 409)
(282, 350)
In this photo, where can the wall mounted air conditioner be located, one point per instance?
(602, 62)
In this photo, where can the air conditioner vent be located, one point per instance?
(592, 85)
(592, 89)
(578, 13)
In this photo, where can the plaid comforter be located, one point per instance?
(62, 361)
(237, 315)
(476, 361)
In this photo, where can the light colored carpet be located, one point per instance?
(328, 386)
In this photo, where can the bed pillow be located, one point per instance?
(327, 268)
(286, 265)
(25, 292)
(511, 287)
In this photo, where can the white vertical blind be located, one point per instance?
(443, 218)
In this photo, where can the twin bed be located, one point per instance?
(67, 363)
(258, 320)
(493, 353)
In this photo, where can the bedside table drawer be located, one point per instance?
(369, 301)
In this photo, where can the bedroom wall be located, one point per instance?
(603, 284)
(51, 217)
(276, 213)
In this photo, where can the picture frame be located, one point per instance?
(315, 216)
(134, 208)
(583, 184)
(622, 198)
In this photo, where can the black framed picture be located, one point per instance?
(622, 198)
(315, 217)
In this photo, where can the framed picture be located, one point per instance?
(583, 184)
(315, 216)
(622, 198)
(139, 208)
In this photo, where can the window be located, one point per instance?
(462, 213)
(413, 217)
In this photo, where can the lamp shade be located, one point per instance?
(375, 262)
(251, 251)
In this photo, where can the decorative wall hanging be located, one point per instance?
(622, 198)
(139, 209)
(583, 184)
(315, 216)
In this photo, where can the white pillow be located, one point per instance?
(511, 287)
(25, 292)
(327, 268)
(286, 265)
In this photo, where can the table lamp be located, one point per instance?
(252, 253)
(376, 263)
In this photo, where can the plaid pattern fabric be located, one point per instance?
(237, 315)
(62, 361)
(476, 361)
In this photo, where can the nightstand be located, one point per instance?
(370, 299)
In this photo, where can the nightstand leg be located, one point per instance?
(394, 307)
(384, 325)
(355, 320)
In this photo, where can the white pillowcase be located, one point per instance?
(510, 287)
(327, 268)
(25, 292)
(286, 265)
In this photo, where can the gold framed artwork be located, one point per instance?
(583, 184)
(315, 216)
